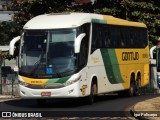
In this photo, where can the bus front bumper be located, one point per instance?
(70, 91)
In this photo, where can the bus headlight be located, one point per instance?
(23, 83)
(72, 81)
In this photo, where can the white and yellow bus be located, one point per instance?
(81, 55)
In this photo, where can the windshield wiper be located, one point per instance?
(38, 63)
(36, 67)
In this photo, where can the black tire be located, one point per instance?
(136, 87)
(91, 97)
(130, 92)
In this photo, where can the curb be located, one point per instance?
(4, 98)
(8, 96)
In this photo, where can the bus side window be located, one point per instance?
(94, 38)
(83, 55)
(99, 38)
(136, 37)
(107, 39)
(117, 37)
(143, 38)
(122, 35)
(131, 37)
(127, 37)
(112, 35)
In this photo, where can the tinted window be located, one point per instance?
(115, 36)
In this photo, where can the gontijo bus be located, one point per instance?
(72, 55)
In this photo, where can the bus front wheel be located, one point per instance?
(91, 97)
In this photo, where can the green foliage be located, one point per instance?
(7, 32)
(28, 9)
(146, 11)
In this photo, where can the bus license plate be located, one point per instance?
(45, 93)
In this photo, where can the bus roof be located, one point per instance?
(107, 19)
(56, 21)
(72, 20)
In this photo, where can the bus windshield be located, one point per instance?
(47, 53)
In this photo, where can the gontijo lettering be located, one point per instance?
(128, 56)
(35, 81)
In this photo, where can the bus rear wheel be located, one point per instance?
(137, 87)
(130, 92)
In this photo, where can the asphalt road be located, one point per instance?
(108, 105)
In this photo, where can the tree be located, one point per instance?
(27, 9)
(7, 32)
(147, 11)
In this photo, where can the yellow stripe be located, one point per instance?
(34, 81)
(118, 21)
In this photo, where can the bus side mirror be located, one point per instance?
(77, 43)
(12, 45)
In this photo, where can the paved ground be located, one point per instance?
(146, 110)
